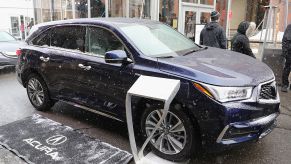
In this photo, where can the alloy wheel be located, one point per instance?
(35, 92)
(170, 137)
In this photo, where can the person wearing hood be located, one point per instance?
(240, 42)
(286, 52)
(213, 34)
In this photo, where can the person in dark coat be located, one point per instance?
(286, 52)
(213, 34)
(240, 42)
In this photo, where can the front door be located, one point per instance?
(101, 84)
(193, 19)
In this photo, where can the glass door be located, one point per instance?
(190, 23)
(193, 21)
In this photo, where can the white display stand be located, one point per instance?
(153, 88)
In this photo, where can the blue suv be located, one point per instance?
(225, 98)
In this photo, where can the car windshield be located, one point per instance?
(159, 40)
(5, 37)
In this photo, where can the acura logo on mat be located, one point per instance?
(56, 140)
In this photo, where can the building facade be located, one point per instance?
(15, 16)
(186, 16)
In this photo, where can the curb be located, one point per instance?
(7, 69)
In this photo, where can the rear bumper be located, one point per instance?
(238, 132)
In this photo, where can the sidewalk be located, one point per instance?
(284, 120)
(7, 157)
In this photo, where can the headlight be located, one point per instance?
(225, 94)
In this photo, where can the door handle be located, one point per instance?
(84, 67)
(44, 59)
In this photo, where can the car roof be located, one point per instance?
(117, 22)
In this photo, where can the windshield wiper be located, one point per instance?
(195, 50)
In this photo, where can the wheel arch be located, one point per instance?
(142, 103)
(28, 72)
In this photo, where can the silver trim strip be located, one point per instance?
(222, 134)
(92, 110)
(255, 122)
(258, 121)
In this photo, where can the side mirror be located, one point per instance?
(115, 56)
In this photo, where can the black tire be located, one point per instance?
(192, 137)
(47, 103)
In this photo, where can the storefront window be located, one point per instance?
(136, 7)
(81, 7)
(253, 10)
(56, 9)
(97, 8)
(207, 2)
(15, 26)
(204, 18)
(190, 1)
(190, 22)
(169, 12)
(46, 11)
(67, 9)
(117, 8)
(37, 11)
(221, 7)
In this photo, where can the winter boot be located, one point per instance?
(284, 88)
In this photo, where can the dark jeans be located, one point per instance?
(286, 72)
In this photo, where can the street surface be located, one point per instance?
(14, 105)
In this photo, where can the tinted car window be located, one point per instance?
(42, 39)
(69, 37)
(99, 41)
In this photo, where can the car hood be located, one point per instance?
(218, 67)
(9, 48)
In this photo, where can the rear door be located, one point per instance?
(66, 43)
(37, 54)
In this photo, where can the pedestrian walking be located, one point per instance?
(240, 42)
(22, 30)
(286, 52)
(213, 34)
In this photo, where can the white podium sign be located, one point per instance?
(156, 89)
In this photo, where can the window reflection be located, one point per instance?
(207, 2)
(117, 8)
(204, 18)
(81, 7)
(56, 9)
(138, 7)
(169, 12)
(190, 1)
(67, 9)
(46, 16)
(190, 21)
(221, 7)
(97, 8)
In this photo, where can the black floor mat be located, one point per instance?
(37, 139)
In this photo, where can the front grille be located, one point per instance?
(268, 91)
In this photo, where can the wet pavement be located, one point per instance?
(14, 105)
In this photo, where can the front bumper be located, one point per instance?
(244, 131)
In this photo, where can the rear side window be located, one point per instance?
(99, 41)
(69, 37)
(43, 39)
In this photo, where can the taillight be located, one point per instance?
(18, 52)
